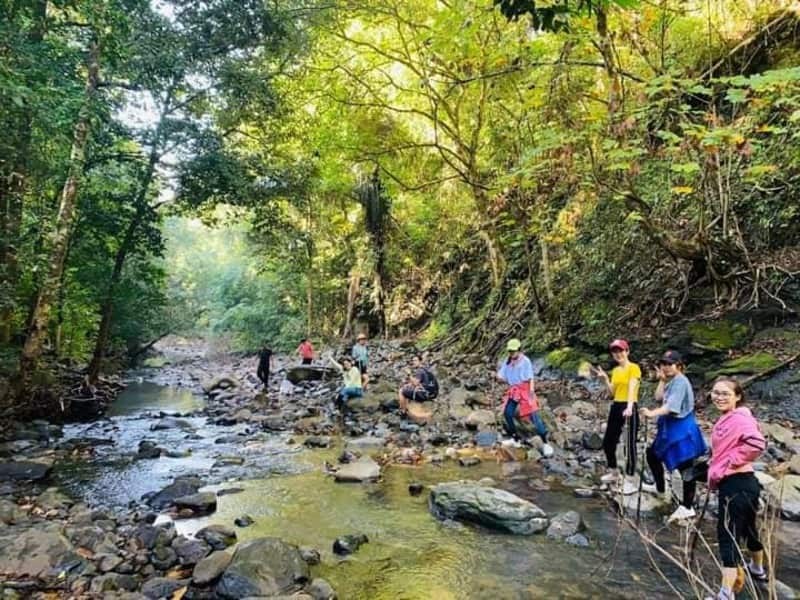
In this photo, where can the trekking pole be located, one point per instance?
(642, 462)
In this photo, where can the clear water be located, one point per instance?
(410, 555)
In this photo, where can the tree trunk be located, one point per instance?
(34, 343)
(107, 308)
(352, 294)
(13, 182)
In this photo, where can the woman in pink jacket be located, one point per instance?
(735, 443)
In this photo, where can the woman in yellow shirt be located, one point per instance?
(623, 385)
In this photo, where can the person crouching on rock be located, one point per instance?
(421, 385)
(352, 380)
(520, 398)
(623, 385)
(679, 440)
(736, 442)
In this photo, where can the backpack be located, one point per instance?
(430, 383)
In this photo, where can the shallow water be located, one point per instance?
(410, 555)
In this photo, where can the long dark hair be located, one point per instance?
(735, 386)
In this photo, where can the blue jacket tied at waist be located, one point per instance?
(678, 440)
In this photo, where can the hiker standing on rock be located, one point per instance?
(421, 386)
(736, 442)
(306, 351)
(520, 398)
(623, 385)
(265, 364)
(360, 354)
(679, 440)
(352, 381)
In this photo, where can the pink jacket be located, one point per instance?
(527, 403)
(736, 442)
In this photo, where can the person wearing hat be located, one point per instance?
(360, 355)
(623, 385)
(679, 440)
(520, 398)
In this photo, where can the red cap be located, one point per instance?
(621, 344)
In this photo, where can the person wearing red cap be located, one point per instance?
(623, 385)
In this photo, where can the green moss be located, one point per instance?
(749, 364)
(155, 362)
(566, 358)
(719, 335)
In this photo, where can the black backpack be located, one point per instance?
(430, 383)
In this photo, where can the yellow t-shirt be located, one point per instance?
(619, 382)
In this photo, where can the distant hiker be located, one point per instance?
(623, 385)
(520, 398)
(352, 381)
(679, 440)
(265, 364)
(421, 386)
(360, 354)
(736, 442)
(306, 351)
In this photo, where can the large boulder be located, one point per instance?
(211, 567)
(203, 503)
(263, 567)
(479, 419)
(785, 492)
(310, 373)
(37, 551)
(488, 506)
(183, 486)
(223, 382)
(364, 469)
(24, 470)
(565, 525)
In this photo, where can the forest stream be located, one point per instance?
(282, 485)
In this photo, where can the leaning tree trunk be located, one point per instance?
(376, 208)
(34, 342)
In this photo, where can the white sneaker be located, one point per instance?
(610, 477)
(681, 514)
(650, 488)
(547, 450)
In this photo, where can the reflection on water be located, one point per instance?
(413, 556)
(138, 397)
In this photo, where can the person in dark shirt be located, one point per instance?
(265, 364)
(420, 387)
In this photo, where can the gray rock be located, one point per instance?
(171, 423)
(565, 525)
(488, 506)
(578, 539)
(469, 461)
(148, 450)
(486, 439)
(150, 536)
(202, 503)
(364, 469)
(183, 486)
(161, 587)
(34, 551)
(211, 567)
(163, 558)
(25, 470)
(113, 582)
(321, 590)
(263, 567)
(243, 521)
(785, 492)
(10, 513)
(318, 441)
(478, 419)
(592, 440)
(218, 537)
(190, 552)
(347, 544)
(109, 562)
(310, 555)
(311, 373)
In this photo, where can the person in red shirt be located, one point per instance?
(306, 351)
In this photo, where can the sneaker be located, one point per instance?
(547, 450)
(610, 477)
(681, 514)
(650, 488)
(756, 573)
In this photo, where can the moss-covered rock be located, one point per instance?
(719, 335)
(567, 359)
(749, 364)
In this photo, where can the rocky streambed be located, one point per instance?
(210, 488)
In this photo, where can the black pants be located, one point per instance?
(307, 361)
(263, 375)
(614, 429)
(738, 503)
(657, 468)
